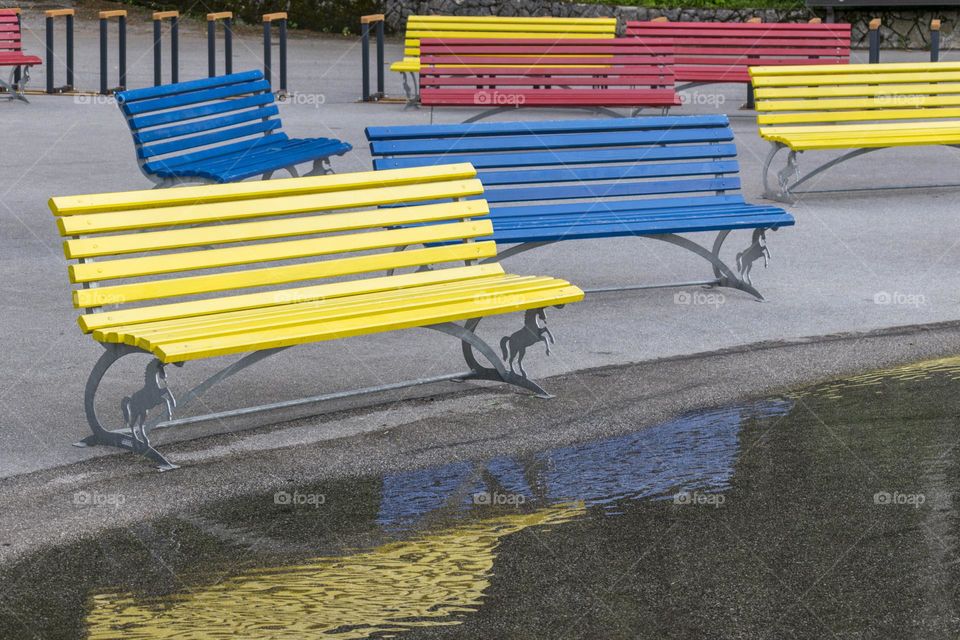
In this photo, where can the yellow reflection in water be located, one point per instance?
(422, 582)
(914, 371)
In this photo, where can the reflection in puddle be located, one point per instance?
(396, 587)
(580, 541)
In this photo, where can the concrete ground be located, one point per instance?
(875, 247)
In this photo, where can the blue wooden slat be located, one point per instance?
(728, 200)
(564, 158)
(194, 97)
(210, 124)
(589, 215)
(541, 128)
(618, 172)
(301, 151)
(134, 95)
(208, 138)
(580, 232)
(548, 141)
(172, 163)
(207, 110)
(608, 190)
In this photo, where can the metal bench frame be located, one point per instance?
(135, 435)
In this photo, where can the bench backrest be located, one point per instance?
(11, 39)
(176, 124)
(713, 52)
(252, 244)
(420, 27)
(482, 72)
(805, 95)
(665, 161)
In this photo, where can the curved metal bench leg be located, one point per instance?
(792, 169)
(321, 167)
(412, 89)
(510, 345)
(727, 277)
(134, 408)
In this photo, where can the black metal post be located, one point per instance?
(267, 50)
(228, 45)
(122, 25)
(103, 56)
(283, 56)
(49, 54)
(211, 48)
(380, 59)
(157, 52)
(174, 49)
(69, 86)
(934, 41)
(874, 41)
(365, 48)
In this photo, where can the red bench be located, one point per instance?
(580, 73)
(708, 52)
(11, 54)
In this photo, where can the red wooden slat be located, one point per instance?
(550, 97)
(528, 81)
(18, 60)
(540, 70)
(543, 59)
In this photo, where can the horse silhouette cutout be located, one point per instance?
(154, 393)
(534, 330)
(757, 249)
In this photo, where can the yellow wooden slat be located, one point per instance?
(852, 69)
(870, 142)
(880, 102)
(105, 319)
(872, 127)
(271, 276)
(225, 233)
(72, 205)
(818, 79)
(357, 307)
(433, 19)
(290, 336)
(857, 116)
(292, 305)
(188, 214)
(215, 258)
(771, 93)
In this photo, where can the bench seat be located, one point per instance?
(221, 129)
(12, 55)
(857, 107)
(251, 269)
(562, 180)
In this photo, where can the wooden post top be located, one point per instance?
(373, 17)
(934, 25)
(220, 15)
(53, 13)
(118, 13)
(163, 15)
(874, 24)
(815, 21)
(279, 15)
(754, 20)
(661, 19)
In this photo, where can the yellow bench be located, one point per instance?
(199, 272)
(419, 27)
(860, 107)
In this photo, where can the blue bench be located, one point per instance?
(656, 177)
(220, 129)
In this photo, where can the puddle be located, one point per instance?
(825, 512)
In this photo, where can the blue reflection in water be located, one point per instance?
(695, 452)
